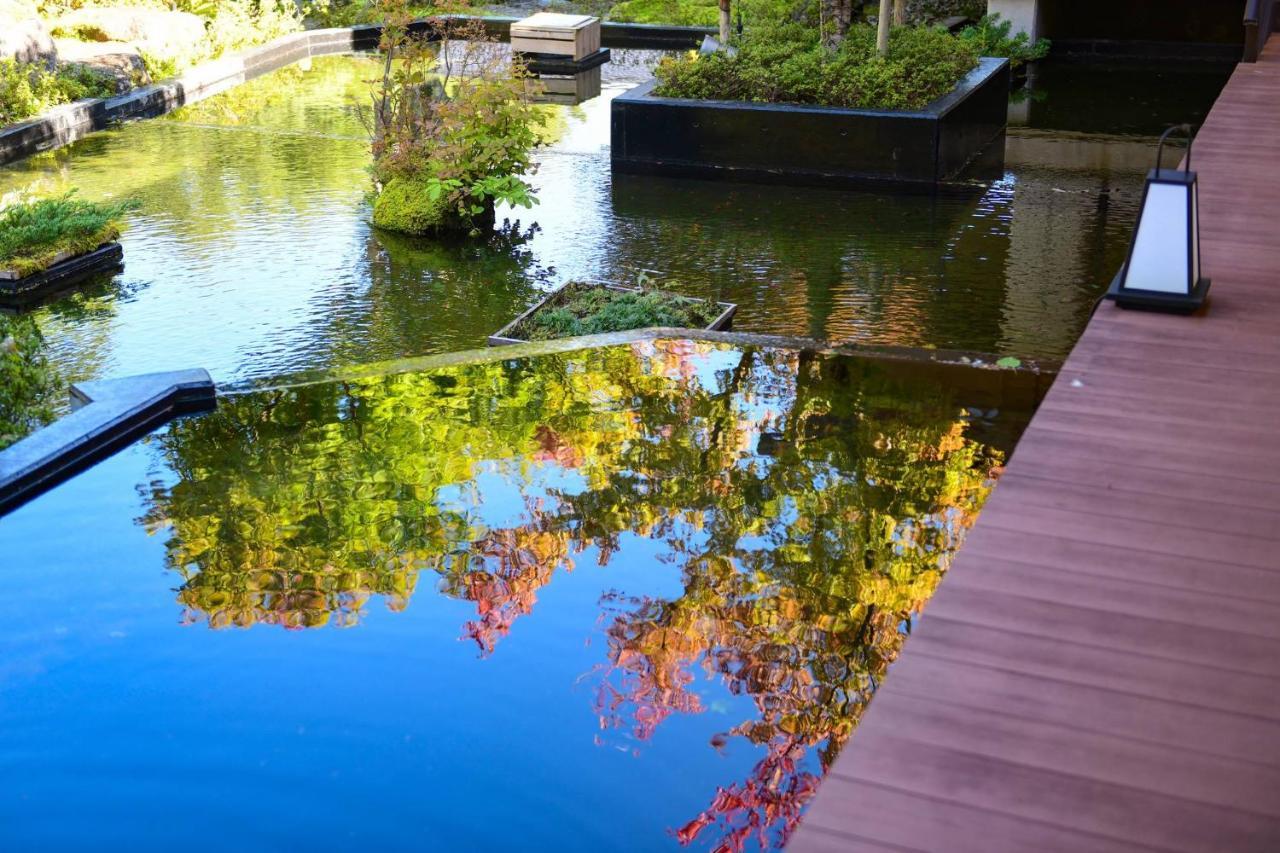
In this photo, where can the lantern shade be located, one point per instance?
(1162, 269)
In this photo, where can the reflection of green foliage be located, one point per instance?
(842, 470)
(812, 504)
(27, 384)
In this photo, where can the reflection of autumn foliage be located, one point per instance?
(810, 503)
(517, 564)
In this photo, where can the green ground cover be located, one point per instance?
(789, 63)
(586, 309)
(33, 234)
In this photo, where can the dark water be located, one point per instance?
(253, 255)
(624, 599)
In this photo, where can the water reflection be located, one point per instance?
(255, 222)
(807, 504)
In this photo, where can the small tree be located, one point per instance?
(882, 27)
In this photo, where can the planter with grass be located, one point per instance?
(784, 109)
(56, 242)
(582, 308)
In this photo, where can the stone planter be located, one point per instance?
(800, 144)
(506, 335)
(16, 290)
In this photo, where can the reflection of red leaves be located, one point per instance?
(520, 562)
(773, 797)
(553, 448)
(809, 680)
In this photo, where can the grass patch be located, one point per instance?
(33, 234)
(586, 309)
(786, 64)
(683, 13)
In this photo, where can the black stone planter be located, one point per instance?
(506, 335)
(19, 292)
(795, 144)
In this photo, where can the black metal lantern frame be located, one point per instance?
(1190, 291)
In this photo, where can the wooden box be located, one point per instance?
(574, 36)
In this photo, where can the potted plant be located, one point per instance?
(588, 308)
(57, 241)
(817, 98)
(452, 126)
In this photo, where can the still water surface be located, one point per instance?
(628, 599)
(253, 254)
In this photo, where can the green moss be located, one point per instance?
(33, 234)
(585, 309)
(786, 63)
(405, 206)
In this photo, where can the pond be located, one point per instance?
(253, 255)
(629, 598)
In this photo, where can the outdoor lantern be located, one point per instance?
(1162, 270)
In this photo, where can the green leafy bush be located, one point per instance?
(991, 37)
(453, 142)
(28, 89)
(787, 64)
(27, 384)
(240, 24)
(32, 234)
(584, 309)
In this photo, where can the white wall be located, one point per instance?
(1025, 14)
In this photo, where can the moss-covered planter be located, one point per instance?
(510, 333)
(799, 144)
(18, 290)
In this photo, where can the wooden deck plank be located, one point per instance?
(1139, 718)
(1099, 668)
(905, 817)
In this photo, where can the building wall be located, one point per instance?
(1204, 21)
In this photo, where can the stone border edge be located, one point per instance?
(107, 415)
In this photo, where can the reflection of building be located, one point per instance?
(1072, 203)
(1213, 25)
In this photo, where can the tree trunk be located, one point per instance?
(839, 14)
(882, 27)
(899, 13)
(724, 21)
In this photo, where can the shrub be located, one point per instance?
(239, 24)
(28, 89)
(461, 136)
(27, 384)
(991, 37)
(584, 309)
(787, 64)
(32, 234)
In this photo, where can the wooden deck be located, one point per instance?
(1100, 670)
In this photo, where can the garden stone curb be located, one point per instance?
(107, 415)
